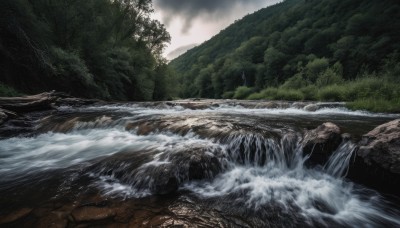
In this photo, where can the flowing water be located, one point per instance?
(225, 166)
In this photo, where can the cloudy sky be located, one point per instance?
(194, 21)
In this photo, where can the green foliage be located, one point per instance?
(332, 93)
(94, 48)
(376, 105)
(7, 91)
(228, 95)
(295, 82)
(296, 44)
(242, 92)
(310, 92)
(255, 96)
(70, 73)
(289, 95)
(315, 68)
(329, 77)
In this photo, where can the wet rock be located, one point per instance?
(164, 174)
(3, 117)
(39, 102)
(195, 163)
(319, 143)
(376, 163)
(13, 216)
(6, 115)
(92, 213)
(54, 219)
(381, 146)
(317, 106)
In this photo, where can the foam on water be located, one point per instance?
(22, 155)
(235, 109)
(318, 193)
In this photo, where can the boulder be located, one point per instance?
(92, 213)
(18, 214)
(320, 142)
(377, 161)
(3, 117)
(381, 146)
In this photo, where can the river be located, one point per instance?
(223, 165)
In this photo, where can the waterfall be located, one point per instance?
(338, 163)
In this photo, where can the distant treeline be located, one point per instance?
(108, 49)
(301, 50)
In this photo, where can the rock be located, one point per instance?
(37, 102)
(15, 215)
(381, 146)
(92, 213)
(165, 174)
(195, 163)
(317, 106)
(319, 143)
(54, 219)
(3, 117)
(377, 161)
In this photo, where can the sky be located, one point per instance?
(191, 22)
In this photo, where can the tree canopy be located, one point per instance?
(109, 49)
(297, 43)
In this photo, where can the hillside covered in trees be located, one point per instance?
(302, 50)
(108, 49)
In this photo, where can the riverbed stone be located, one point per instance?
(13, 216)
(320, 142)
(381, 146)
(54, 219)
(92, 213)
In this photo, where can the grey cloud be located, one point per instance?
(191, 9)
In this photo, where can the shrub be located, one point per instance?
(71, 74)
(310, 92)
(375, 105)
(228, 95)
(242, 92)
(256, 96)
(329, 77)
(7, 91)
(331, 93)
(289, 95)
(295, 82)
(269, 93)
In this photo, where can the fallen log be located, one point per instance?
(39, 102)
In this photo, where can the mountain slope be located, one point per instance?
(297, 40)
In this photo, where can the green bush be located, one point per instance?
(7, 91)
(295, 82)
(375, 105)
(371, 87)
(289, 95)
(329, 77)
(242, 92)
(269, 93)
(228, 95)
(71, 74)
(256, 96)
(331, 93)
(310, 92)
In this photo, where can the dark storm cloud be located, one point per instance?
(191, 9)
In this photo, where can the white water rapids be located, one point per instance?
(253, 171)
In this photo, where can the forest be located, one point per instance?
(106, 49)
(329, 50)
